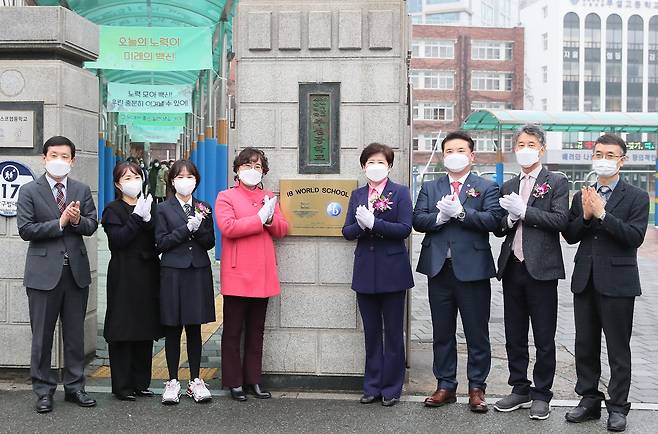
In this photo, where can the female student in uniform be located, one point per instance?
(249, 219)
(184, 233)
(132, 319)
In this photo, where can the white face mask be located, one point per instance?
(184, 186)
(526, 157)
(250, 177)
(58, 167)
(605, 167)
(456, 162)
(131, 188)
(376, 172)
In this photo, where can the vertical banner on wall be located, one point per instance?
(154, 48)
(139, 98)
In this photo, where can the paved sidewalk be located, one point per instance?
(284, 415)
(644, 386)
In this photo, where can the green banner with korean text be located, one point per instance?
(145, 133)
(154, 48)
(149, 98)
(152, 119)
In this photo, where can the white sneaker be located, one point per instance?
(197, 389)
(171, 393)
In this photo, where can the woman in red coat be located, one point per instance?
(249, 218)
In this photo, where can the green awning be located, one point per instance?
(506, 120)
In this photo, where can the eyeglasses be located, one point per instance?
(609, 156)
(256, 166)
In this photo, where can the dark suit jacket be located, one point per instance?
(468, 240)
(38, 222)
(545, 218)
(179, 247)
(381, 260)
(608, 248)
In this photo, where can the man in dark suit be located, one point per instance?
(609, 219)
(57, 274)
(530, 264)
(457, 212)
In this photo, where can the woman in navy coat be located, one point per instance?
(379, 217)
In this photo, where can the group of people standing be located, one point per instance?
(457, 212)
(160, 281)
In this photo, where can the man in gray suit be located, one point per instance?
(530, 264)
(57, 274)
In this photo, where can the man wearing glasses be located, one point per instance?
(609, 219)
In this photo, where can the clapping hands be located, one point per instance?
(266, 213)
(364, 217)
(593, 204)
(143, 207)
(449, 207)
(514, 205)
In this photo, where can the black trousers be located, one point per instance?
(130, 365)
(447, 296)
(594, 313)
(526, 301)
(68, 302)
(250, 312)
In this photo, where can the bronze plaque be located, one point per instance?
(315, 207)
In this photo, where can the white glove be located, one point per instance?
(143, 207)
(451, 208)
(359, 217)
(193, 223)
(272, 204)
(366, 216)
(441, 217)
(513, 204)
(264, 211)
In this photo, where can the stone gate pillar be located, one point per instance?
(41, 55)
(313, 331)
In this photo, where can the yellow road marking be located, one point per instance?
(159, 371)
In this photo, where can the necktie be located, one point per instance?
(188, 210)
(517, 243)
(59, 198)
(455, 187)
(604, 192)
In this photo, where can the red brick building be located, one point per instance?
(455, 70)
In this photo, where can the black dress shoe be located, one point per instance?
(616, 422)
(238, 394)
(145, 392)
(582, 414)
(369, 399)
(258, 392)
(81, 398)
(44, 404)
(125, 397)
(390, 402)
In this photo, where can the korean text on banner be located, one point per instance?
(139, 98)
(154, 48)
(153, 119)
(143, 133)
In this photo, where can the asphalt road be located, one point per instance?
(288, 415)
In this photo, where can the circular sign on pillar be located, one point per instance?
(13, 176)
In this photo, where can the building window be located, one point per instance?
(415, 49)
(443, 18)
(592, 101)
(652, 76)
(488, 14)
(544, 39)
(492, 105)
(438, 49)
(491, 50)
(544, 73)
(433, 111)
(487, 142)
(613, 66)
(425, 142)
(431, 79)
(571, 62)
(501, 81)
(635, 55)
